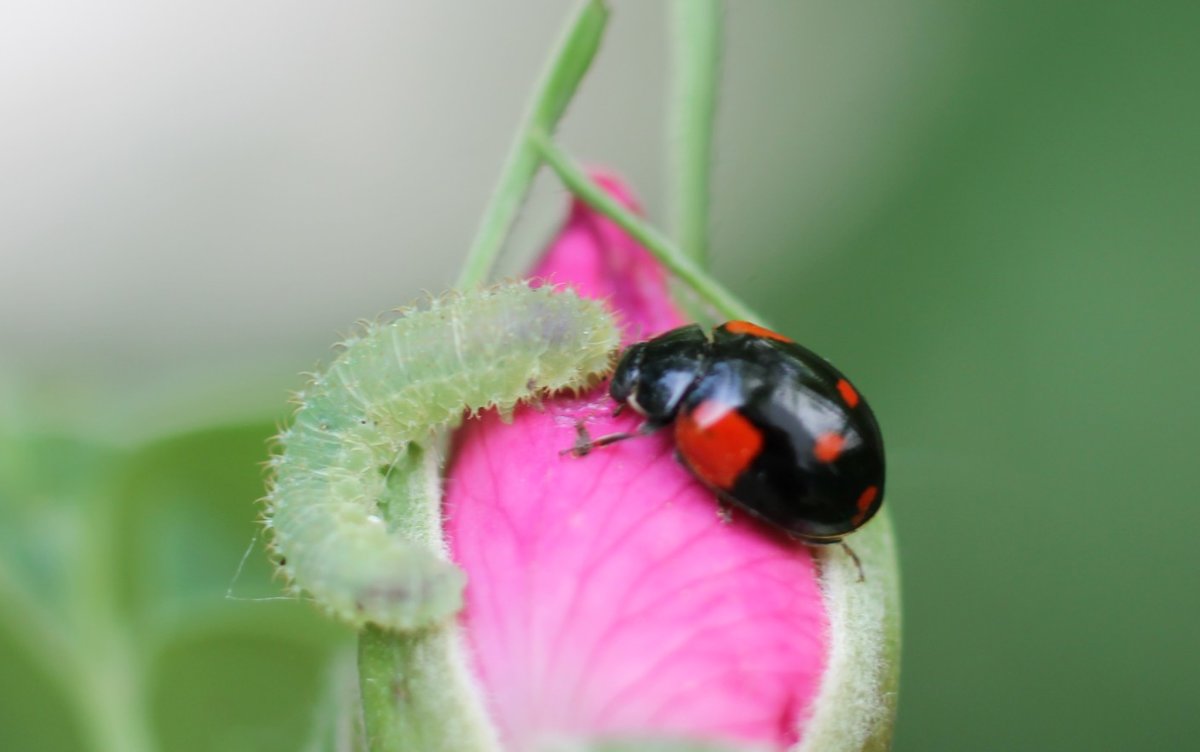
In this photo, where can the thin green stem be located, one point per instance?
(111, 695)
(696, 48)
(668, 254)
(111, 683)
(568, 65)
(97, 667)
(89, 654)
(37, 629)
(102, 678)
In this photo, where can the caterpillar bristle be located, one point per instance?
(386, 317)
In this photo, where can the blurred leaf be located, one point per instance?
(34, 713)
(114, 573)
(187, 507)
(44, 484)
(236, 691)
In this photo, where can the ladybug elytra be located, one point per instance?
(767, 424)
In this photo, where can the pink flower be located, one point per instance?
(606, 598)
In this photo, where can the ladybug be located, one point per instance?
(767, 424)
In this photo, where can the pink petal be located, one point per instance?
(605, 595)
(599, 260)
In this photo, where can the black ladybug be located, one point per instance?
(769, 425)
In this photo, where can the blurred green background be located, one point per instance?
(987, 212)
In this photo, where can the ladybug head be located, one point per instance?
(625, 379)
(654, 376)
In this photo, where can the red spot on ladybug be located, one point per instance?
(754, 330)
(865, 501)
(828, 446)
(716, 442)
(848, 394)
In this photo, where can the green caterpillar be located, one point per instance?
(353, 509)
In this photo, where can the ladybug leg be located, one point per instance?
(857, 562)
(584, 443)
(815, 545)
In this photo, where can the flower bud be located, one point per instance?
(608, 603)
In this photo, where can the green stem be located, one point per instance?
(39, 631)
(567, 67)
(111, 683)
(696, 46)
(97, 667)
(415, 693)
(111, 696)
(669, 255)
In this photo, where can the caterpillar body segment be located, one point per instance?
(353, 509)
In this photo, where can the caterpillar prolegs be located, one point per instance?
(349, 508)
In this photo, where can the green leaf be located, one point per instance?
(35, 711)
(187, 510)
(198, 587)
(115, 629)
(47, 484)
(236, 690)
